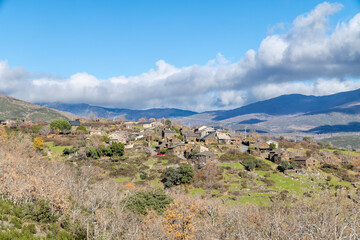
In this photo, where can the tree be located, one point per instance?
(118, 149)
(308, 139)
(38, 143)
(178, 220)
(167, 122)
(142, 201)
(272, 146)
(60, 125)
(176, 176)
(285, 165)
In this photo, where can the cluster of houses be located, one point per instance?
(194, 144)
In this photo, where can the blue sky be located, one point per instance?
(60, 40)
(111, 38)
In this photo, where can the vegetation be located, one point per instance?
(142, 201)
(176, 176)
(60, 125)
(80, 187)
(81, 129)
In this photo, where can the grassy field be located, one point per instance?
(56, 151)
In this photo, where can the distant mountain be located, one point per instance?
(287, 113)
(11, 108)
(297, 103)
(85, 110)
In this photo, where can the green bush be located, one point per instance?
(285, 165)
(118, 149)
(92, 153)
(17, 222)
(30, 228)
(176, 176)
(142, 201)
(252, 163)
(81, 128)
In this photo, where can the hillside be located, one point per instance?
(84, 110)
(11, 108)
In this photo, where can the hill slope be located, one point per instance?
(11, 108)
(85, 109)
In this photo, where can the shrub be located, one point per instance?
(17, 222)
(142, 201)
(176, 176)
(285, 165)
(252, 163)
(105, 139)
(163, 151)
(118, 149)
(30, 228)
(92, 153)
(38, 143)
(81, 128)
(68, 151)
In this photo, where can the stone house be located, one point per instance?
(249, 141)
(210, 138)
(190, 136)
(235, 138)
(176, 149)
(261, 146)
(223, 138)
(119, 137)
(308, 162)
(169, 134)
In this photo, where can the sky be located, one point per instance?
(195, 55)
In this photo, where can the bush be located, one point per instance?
(60, 125)
(176, 176)
(118, 149)
(30, 228)
(285, 165)
(68, 151)
(17, 222)
(92, 153)
(252, 163)
(142, 201)
(81, 128)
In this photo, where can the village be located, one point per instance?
(198, 146)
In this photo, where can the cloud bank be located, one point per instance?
(310, 58)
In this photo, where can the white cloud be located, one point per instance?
(310, 58)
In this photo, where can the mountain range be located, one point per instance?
(287, 113)
(84, 110)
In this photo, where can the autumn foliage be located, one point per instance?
(38, 143)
